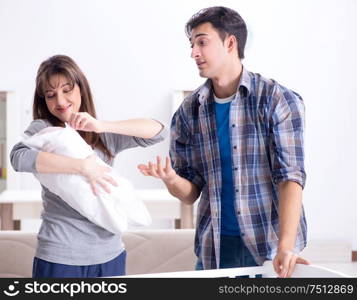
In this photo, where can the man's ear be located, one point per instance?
(232, 43)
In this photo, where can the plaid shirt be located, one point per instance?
(266, 133)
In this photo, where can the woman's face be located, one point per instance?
(62, 99)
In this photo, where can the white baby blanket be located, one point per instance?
(111, 211)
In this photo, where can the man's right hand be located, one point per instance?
(178, 186)
(167, 173)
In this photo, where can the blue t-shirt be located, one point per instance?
(229, 223)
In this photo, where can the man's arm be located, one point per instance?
(286, 121)
(182, 179)
(290, 203)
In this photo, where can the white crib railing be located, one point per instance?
(266, 271)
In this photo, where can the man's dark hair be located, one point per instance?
(225, 20)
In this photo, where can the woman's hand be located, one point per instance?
(97, 174)
(85, 122)
(167, 173)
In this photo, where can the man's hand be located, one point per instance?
(167, 173)
(285, 261)
(177, 186)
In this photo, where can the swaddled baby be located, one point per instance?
(112, 211)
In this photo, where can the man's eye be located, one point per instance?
(202, 43)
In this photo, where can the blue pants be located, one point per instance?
(234, 254)
(46, 269)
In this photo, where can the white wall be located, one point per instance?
(135, 53)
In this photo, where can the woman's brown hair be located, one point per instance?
(64, 65)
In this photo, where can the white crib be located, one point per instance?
(265, 271)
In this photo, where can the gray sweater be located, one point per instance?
(65, 236)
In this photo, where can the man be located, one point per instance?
(237, 141)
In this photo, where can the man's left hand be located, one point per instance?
(285, 261)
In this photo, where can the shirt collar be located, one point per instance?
(244, 83)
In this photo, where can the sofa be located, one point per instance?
(148, 251)
(152, 251)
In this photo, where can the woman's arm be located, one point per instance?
(25, 159)
(142, 128)
(95, 173)
(53, 163)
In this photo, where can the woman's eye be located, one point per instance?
(67, 90)
(48, 96)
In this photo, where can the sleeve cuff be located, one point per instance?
(159, 137)
(289, 174)
(196, 179)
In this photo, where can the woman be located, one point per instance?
(69, 245)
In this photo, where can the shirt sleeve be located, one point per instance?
(182, 152)
(120, 142)
(287, 122)
(22, 157)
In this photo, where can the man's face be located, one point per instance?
(208, 50)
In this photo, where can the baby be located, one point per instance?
(112, 211)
